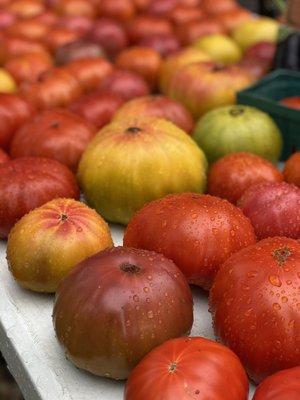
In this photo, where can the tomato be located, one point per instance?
(121, 10)
(255, 306)
(11, 47)
(188, 32)
(29, 29)
(188, 368)
(231, 175)
(29, 182)
(197, 232)
(284, 385)
(291, 102)
(59, 36)
(158, 106)
(77, 50)
(97, 108)
(218, 6)
(117, 305)
(125, 84)
(291, 170)
(142, 60)
(273, 209)
(26, 8)
(28, 67)
(14, 111)
(56, 134)
(3, 156)
(51, 240)
(163, 44)
(55, 88)
(144, 25)
(90, 72)
(232, 18)
(237, 128)
(184, 14)
(77, 7)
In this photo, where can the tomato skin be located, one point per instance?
(231, 175)
(14, 112)
(57, 134)
(120, 304)
(273, 209)
(284, 385)
(29, 182)
(259, 285)
(292, 102)
(188, 368)
(3, 156)
(197, 232)
(291, 170)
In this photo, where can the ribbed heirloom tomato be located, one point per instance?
(197, 232)
(255, 302)
(188, 369)
(284, 385)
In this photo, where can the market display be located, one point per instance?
(126, 112)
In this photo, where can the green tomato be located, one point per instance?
(238, 128)
(136, 160)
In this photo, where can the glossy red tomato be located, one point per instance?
(197, 232)
(77, 7)
(184, 14)
(284, 385)
(90, 72)
(121, 10)
(29, 182)
(57, 134)
(291, 170)
(188, 368)
(187, 33)
(28, 67)
(77, 23)
(11, 47)
(29, 29)
(125, 84)
(158, 106)
(292, 102)
(3, 156)
(26, 8)
(218, 6)
(145, 25)
(144, 61)
(55, 88)
(273, 209)
(231, 175)
(59, 36)
(119, 304)
(14, 111)
(97, 108)
(163, 44)
(255, 306)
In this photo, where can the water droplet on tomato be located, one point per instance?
(275, 281)
(150, 314)
(277, 306)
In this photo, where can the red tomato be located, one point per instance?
(14, 111)
(77, 7)
(90, 72)
(29, 29)
(122, 10)
(189, 32)
(255, 306)
(284, 385)
(11, 47)
(57, 134)
(292, 102)
(273, 209)
(119, 304)
(231, 175)
(97, 108)
(218, 6)
(158, 106)
(3, 156)
(125, 84)
(55, 88)
(145, 25)
(291, 170)
(186, 369)
(29, 182)
(142, 60)
(197, 232)
(28, 67)
(58, 37)
(26, 8)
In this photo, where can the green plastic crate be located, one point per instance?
(266, 95)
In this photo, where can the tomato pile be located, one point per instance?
(132, 104)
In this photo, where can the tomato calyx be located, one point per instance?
(235, 112)
(63, 217)
(133, 130)
(281, 255)
(130, 268)
(172, 367)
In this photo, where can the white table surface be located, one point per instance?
(34, 357)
